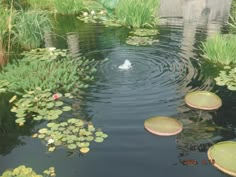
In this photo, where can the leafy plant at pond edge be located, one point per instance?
(62, 73)
(227, 78)
(72, 134)
(220, 49)
(23, 171)
(140, 41)
(4, 86)
(40, 105)
(69, 6)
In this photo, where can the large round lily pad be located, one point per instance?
(164, 126)
(203, 100)
(224, 156)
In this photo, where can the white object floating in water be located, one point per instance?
(50, 141)
(126, 65)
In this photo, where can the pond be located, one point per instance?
(119, 101)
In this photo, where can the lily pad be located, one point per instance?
(163, 126)
(203, 100)
(224, 156)
(140, 41)
(144, 32)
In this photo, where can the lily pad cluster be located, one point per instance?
(98, 17)
(40, 105)
(72, 134)
(23, 171)
(144, 32)
(4, 85)
(227, 78)
(45, 54)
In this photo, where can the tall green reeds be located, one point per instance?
(41, 4)
(220, 49)
(30, 28)
(69, 6)
(137, 13)
(232, 19)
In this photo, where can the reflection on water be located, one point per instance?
(119, 101)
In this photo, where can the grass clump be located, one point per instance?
(41, 5)
(220, 49)
(69, 6)
(137, 13)
(30, 28)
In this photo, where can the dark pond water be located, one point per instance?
(120, 101)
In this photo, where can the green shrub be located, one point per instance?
(220, 49)
(30, 28)
(137, 13)
(69, 6)
(62, 74)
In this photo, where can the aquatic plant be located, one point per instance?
(23, 171)
(144, 32)
(30, 28)
(140, 41)
(224, 156)
(39, 104)
(69, 6)
(227, 78)
(4, 86)
(203, 100)
(137, 13)
(220, 49)
(58, 73)
(163, 126)
(109, 4)
(72, 134)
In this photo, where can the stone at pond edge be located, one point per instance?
(203, 100)
(163, 126)
(224, 156)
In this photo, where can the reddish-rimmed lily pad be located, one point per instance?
(203, 100)
(224, 156)
(163, 126)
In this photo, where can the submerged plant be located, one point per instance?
(227, 78)
(137, 13)
(72, 134)
(30, 28)
(23, 171)
(39, 105)
(220, 49)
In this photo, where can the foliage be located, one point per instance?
(109, 4)
(4, 86)
(63, 74)
(232, 19)
(228, 78)
(140, 41)
(137, 13)
(220, 49)
(23, 171)
(30, 28)
(39, 104)
(42, 4)
(72, 134)
(144, 32)
(69, 6)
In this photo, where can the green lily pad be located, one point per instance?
(99, 140)
(140, 41)
(66, 108)
(144, 32)
(203, 100)
(224, 156)
(72, 146)
(164, 126)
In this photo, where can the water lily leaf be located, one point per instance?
(34, 135)
(53, 117)
(52, 124)
(13, 99)
(41, 136)
(99, 140)
(72, 146)
(20, 115)
(231, 87)
(58, 103)
(66, 108)
(50, 105)
(84, 150)
(98, 133)
(104, 135)
(39, 117)
(51, 149)
(20, 120)
(43, 130)
(73, 120)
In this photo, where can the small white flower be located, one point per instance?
(50, 141)
(92, 12)
(102, 12)
(85, 14)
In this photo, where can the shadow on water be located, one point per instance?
(119, 101)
